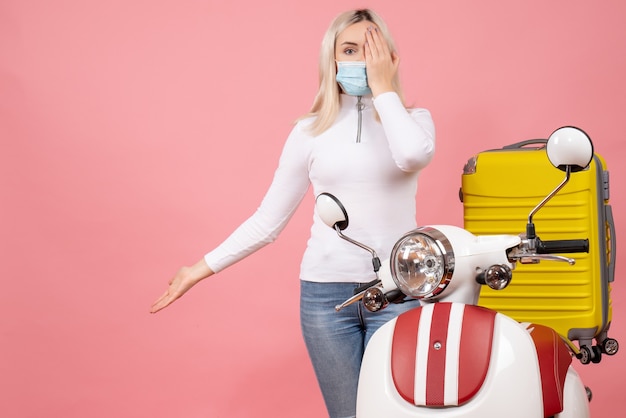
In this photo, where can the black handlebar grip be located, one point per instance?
(395, 296)
(563, 246)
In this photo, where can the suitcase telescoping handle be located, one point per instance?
(564, 246)
(541, 143)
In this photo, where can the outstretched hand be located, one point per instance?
(185, 279)
(382, 64)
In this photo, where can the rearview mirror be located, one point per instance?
(331, 211)
(569, 146)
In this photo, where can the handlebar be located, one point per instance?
(366, 286)
(563, 246)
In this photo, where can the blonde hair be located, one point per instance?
(326, 104)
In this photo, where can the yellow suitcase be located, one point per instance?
(499, 189)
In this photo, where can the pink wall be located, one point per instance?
(137, 134)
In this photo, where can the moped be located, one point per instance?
(450, 357)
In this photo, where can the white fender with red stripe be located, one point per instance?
(457, 360)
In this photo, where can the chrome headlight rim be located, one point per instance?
(445, 250)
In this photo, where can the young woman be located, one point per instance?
(360, 143)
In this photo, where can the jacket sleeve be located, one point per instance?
(410, 133)
(288, 188)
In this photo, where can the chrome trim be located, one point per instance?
(447, 252)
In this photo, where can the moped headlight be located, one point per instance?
(422, 263)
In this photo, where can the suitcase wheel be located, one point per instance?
(589, 354)
(609, 346)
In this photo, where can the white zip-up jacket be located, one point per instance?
(374, 176)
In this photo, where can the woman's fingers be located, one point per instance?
(162, 302)
(377, 45)
(382, 65)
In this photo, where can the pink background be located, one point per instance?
(137, 134)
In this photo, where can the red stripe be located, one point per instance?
(475, 353)
(554, 360)
(404, 347)
(435, 374)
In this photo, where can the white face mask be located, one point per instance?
(352, 77)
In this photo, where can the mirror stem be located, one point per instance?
(530, 227)
(375, 259)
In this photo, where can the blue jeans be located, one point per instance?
(336, 340)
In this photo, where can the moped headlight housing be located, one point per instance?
(422, 263)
